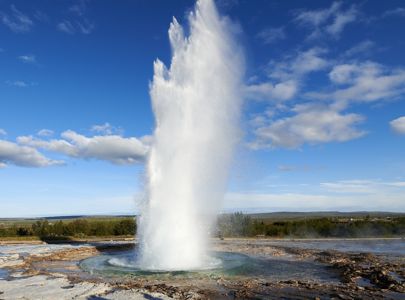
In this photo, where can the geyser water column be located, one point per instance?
(196, 103)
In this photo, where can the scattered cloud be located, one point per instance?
(363, 82)
(106, 129)
(361, 48)
(41, 16)
(298, 65)
(255, 202)
(329, 21)
(286, 76)
(16, 21)
(112, 148)
(79, 8)
(399, 12)
(66, 26)
(398, 125)
(3, 132)
(27, 58)
(297, 168)
(79, 23)
(341, 20)
(271, 35)
(24, 156)
(19, 83)
(361, 186)
(45, 132)
(311, 124)
(269, 91)
(84, 27)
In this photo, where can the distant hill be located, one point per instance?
(323, 214)
(276, 216)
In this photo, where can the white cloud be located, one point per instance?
(268, 91)
(329, 21)
(2, 132)
(298, 65)
(398, 125)
(113, 148)
(271, 35)
(24, 156)
(16, 21)
(311, 124)
(363, 82)
(286, 76)
(27, 58)
(45, 132)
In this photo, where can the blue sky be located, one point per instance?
(323, 118)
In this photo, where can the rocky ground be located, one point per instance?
(52, 272)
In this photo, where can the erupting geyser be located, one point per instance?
(196, 103)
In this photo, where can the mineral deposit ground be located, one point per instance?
(286, 269)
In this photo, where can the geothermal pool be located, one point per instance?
(219, 264)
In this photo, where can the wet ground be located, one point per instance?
(251, 269)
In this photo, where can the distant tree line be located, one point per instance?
(78, 228)
(240, 225)
(231, 225)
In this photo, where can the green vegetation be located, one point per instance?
(77, 228)
(242, 225)
(230, 225)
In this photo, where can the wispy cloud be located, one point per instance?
(3, 132)
(79, 8)
(78, 23)
(16, 21)
(106, 129)
(250, 202)
(29, 58)
(272, 35)
(45, 132)
(361, 48)
(398, 125)
(329, 21)
(84, 26)
(19, 83)
(361, 186)
(399, 11)
(66, 26)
